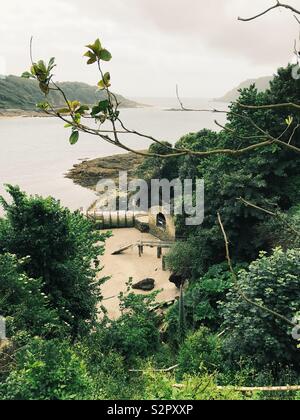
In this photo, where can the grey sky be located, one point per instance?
(155, 43)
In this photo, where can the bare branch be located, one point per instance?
(155, 370)
(276, 6)
(270, 213)
(179, 100)
(271, 106)
(248, 204)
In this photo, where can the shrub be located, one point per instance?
(135, 333)
(272, 281)
(200, 354)
(63, 247)
(47, 370)
(23, 303)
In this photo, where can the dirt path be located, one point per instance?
(129, 264)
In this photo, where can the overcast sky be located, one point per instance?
(198, 44)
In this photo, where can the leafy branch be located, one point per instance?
(107, 111)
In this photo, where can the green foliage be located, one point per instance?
(47, 370)
(274, 282)
(96, 53)
(74, 137)
(201, 302)
(49, 267)
(200, 354)
(62, 249)
(19, 93)
(154, 167)
(42, 73)
(23, 303)
(160, 386)
(268, 175)
(135, 333)
(282, 230)
(109, 370)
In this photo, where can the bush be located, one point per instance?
(200, 354)
(253, 333)
(136, 332)
(162, 386)
(63, 249)
(47, 370)
(23, 303)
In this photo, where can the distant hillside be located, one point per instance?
(24, 94)
(262, 84)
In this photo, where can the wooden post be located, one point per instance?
(164, 268)
(140, 250)
(159, 252)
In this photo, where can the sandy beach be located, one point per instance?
(129, 264)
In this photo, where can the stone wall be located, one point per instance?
(165, 234)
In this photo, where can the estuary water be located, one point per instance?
(35, 153)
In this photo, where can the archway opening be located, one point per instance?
(161, 221)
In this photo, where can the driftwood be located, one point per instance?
(286, 388)
(155, 370)
(263, 388)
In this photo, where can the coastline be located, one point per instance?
(20, 113)
(32, 113)
(88, 173)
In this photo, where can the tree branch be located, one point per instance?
(276, 6)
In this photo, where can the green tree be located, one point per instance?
(154, 167)
(62, 249)
(135, 333)
(255, 334)
(268, 177)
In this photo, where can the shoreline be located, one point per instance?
(19, 113)
(89, 172)
(24, 113)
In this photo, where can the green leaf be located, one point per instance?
(74, 137)
(43, 105)
(51, 64)
(103, 105)
(63, 111)
(82, 109)
(95, 111)
(77, 118)
(89, 54)
(105, 55)
(106, 79)
(27, 75)
(42, 66)
(92, 57)
(101, 85)
(96, 47)
(68, 125)
(92, 60)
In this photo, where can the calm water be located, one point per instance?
(35, 152)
